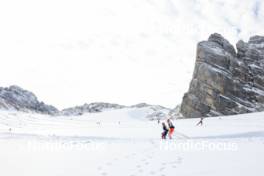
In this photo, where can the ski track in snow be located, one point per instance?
(132, 148)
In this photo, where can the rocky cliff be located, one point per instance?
(16, 98)
(226, 81)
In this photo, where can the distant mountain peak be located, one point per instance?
(16, 98)
(90, 108)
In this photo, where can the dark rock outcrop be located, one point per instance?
(226, 82)
(16, 98)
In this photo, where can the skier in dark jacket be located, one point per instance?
(165, 131)
(200, 122)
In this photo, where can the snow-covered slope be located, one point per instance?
(90, 108)
(153, 111)
(123, 142)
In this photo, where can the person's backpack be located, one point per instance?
(171, 125)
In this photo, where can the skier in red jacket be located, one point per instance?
(171, 128)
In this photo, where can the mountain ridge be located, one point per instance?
(18, 99)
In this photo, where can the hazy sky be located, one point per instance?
(69, 52)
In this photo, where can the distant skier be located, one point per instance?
(171, 128)
(165, 131)
(200, 122)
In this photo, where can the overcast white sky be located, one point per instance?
(69, 52)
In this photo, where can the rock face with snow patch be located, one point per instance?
(144, 105)
(90, 108)
(226, 82)
(175, 112)
(16, 98)
(156, 112)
